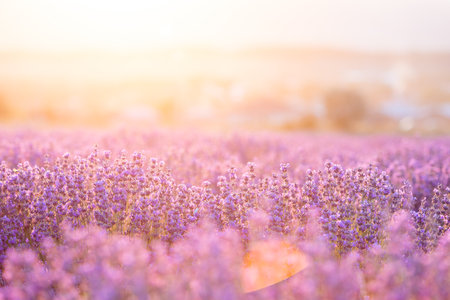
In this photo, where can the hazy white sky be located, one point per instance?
(400, 25)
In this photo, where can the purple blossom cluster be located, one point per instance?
(174, 220)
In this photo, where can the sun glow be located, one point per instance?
(95, 25)
(138, 24)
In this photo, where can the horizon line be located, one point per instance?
(221, 49)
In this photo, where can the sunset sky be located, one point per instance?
(83, 25)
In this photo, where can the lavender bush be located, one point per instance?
(134, 214)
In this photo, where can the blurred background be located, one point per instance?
(317, 65)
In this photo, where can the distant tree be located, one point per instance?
(307, 122)
(343, 107)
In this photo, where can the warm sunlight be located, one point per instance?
(225, 62)
(136, 25)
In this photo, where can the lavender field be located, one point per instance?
(139, 214)
(203, 150)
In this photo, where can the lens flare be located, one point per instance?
(270, 262)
